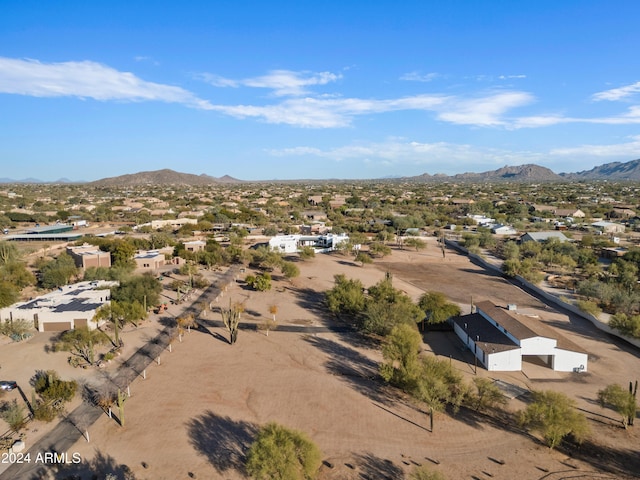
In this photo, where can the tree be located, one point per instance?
(621, 400)
(363, 258)
(289, 270)
(119, 313)
(122, 252)
(386, 307)
(400, 352)
(487, 396)
(379, 249)
(9, 293)
(144, 289)
(58, 272)
(306, 253)
(436, 307)
(346, 296)
(554, 415)
(279, 453)
(626, 324)
(260, 282)
(415, 242)
(81, 343)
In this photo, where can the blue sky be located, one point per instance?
(315, 89)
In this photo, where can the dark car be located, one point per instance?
(8, 385)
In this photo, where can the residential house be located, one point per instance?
(66, 308)
(87, 255)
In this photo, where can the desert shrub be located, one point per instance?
(17, 329)
(14, 414)
(626, 324)
(590, 307)
(284, 454)
(49, 386)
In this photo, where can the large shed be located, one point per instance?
(500, 338)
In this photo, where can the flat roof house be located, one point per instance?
(500, 339)
(293, 243)
(149, 260)
(87, 255)
(67, 308)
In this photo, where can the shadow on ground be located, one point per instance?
(100, 466)
(356, 369)
(371, 467)
(223, 441)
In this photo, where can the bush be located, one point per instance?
(49, 386)
(17, 330)
(13, 414)
(280, 453)
(590, 307)
(626, 324)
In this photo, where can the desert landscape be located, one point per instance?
(198, 409)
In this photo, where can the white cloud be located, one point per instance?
(617, 93)
(328, 112)
(484, 111)
(623, 150)
(416, 77)
(433, 157)
(282, 82)
(508, 77)
(86, 79)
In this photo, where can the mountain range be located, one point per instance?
(529, 173)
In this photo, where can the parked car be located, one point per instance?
(8, 385)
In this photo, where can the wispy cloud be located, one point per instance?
(616, 94)
(395, 153)
(508, 77)
(282, 82)
(624, 150)
(86, 79)
(484, 111)
(417, 77)
(328, 112)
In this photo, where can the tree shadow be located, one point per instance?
(310, 300)
(223, 441)
(359, 371)
(100, 466)
(375, 468)
(618, 461)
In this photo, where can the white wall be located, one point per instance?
(284, 243)
(538, 346)
(567, 361)
(508, 361)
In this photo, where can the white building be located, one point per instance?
(609, 227)
(500, 229)
(68, 307)
(293, 243)
(500, 339)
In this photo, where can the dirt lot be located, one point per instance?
(196, 413)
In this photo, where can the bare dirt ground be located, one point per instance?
(196, 413)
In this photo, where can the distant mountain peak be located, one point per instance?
(164, 176)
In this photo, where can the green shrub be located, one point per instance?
(590, 307)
